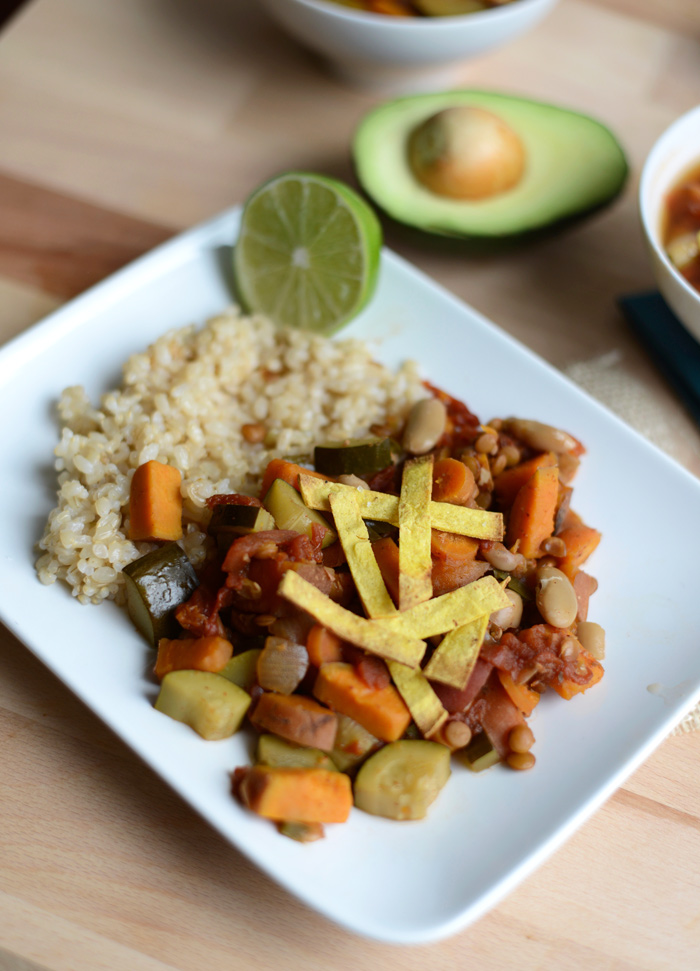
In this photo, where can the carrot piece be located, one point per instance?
(580, 542)
(155, 503)
(507, 485)
(523, 698)
(454, 563)
(386, 553)
(289, 471)
(531, 518)
(452, 546)
(567, 689)
(301, 795)
(453, 481)
(380, 710)
(297, 718)
(323, 645)
(192, 654)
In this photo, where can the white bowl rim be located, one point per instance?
(648, 169)
(407, 24)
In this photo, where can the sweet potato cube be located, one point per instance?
(323, 645)
(568, 689)
(380, 710)
(531, 519)
(301, 795)
(507, 485)
(297, 718)
(580, 542)
(192, 653)
(155, 503)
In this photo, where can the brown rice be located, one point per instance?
(184, 402)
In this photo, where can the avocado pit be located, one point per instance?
(466, 152)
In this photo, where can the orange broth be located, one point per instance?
(681, 218)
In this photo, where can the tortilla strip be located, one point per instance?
(390, 644)
(354, 538)
(426, 708)
(451, 610)
(415, 563)
(455, 657)
(477, 523)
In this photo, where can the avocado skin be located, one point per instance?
(411, 209)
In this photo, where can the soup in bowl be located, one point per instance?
(669, 203)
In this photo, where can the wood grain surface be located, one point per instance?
(121, 124)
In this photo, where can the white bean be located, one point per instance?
(555, 597)
(592, 638)
(353, 480)
(425, 426)
(511, 616)
(541, 437)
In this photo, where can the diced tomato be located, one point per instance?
(244, 548)
(500, 716)
(455, 700)
(232, 499)
(373, 672)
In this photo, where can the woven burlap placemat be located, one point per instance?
(611, 378)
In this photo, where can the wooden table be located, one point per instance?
(122, 123)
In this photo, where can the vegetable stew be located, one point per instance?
(387, 624)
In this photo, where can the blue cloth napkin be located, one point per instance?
(673, 349)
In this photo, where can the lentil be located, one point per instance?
(554, 546)
(457, 733)
(254, 434)
(521, 739)
(521, 760)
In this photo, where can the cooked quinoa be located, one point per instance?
(184, 401)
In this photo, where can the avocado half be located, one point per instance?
(574, 164)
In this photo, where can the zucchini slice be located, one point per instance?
(156, 584)
(291, 512)
(355, 456)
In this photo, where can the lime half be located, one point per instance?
(307, 255)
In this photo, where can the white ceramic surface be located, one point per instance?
(376, 50)
(675, 152)
(401, 882)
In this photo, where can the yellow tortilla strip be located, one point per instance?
(354, 538)
(424, 705)
(451, 610)
(390, 644)
(477, 523)
(455, 657)
(415, 563)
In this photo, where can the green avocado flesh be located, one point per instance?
(573, 164)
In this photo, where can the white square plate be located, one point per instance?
(401, 882)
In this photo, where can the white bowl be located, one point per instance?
(379, 50)
(675, 152)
